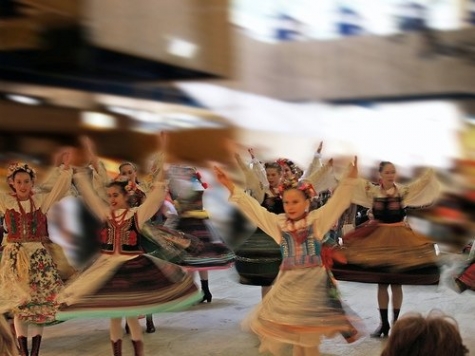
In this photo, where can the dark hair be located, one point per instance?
(273, 165)
(296, 170)
(383, 164)
(435, 335)
(119, 184)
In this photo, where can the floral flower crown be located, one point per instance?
(303, 186)
(20, 166)
(293, 167)
(130, 187)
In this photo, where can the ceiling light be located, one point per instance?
(23, 99)
(181, 48)
(98, 120)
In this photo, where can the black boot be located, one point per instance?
(138, 347)
(23, 345)
(395, 315)
(460, 286)
(205, 289)
(383, 329)
(150, 326)
(35, 345)
(117, 347)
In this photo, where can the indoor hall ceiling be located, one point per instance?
(103, 46)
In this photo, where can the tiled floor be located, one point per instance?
(214, 329)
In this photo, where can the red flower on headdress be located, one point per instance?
(198, 177)
(303, 186)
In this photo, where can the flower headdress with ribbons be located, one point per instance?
(305, 187)
(297, 171)
(20, 166)
(130, 186)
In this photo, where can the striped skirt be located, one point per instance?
(121, 286)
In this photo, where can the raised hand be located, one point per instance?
(320, 146)
(90, 150)
(66, 157)
(223, 178)
(353, 172)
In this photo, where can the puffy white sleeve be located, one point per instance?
(254, 177)
(324, 218)
(315, 165)
(322, 179)
(90, 196)
(100, 179)
(363, 193)
(152, 202)
(423, 191)
(264, 219)
(60, 188)
(156, 168)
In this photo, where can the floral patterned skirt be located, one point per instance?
(30, 282)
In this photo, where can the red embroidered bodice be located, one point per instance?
(121, 234)
(26, 227)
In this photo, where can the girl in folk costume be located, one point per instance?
(123, 281)
(386, 250)
(259, 257)
(158, 240)
(187, 190)
(29, 278)
(303, 304)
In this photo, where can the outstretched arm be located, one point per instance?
(337, 204)
(423, 191)
(253, 184)
(267, 221)
(316, 163)
(62, 185)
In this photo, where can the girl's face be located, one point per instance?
(273, 177)
(23, 184)
(295, 204)
(388, 174)
(287, 172)
(128, 171)
(117, 198)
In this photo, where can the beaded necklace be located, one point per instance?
(301, 235)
